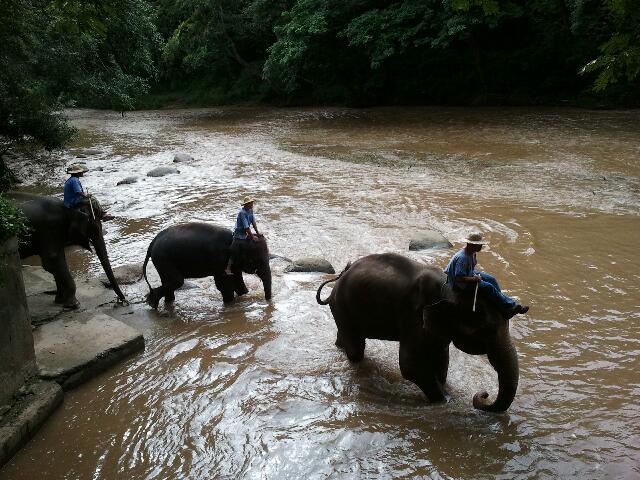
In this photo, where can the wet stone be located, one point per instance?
(182, 157)
(92, 151)
(310, 264)
(127, 181)
(429, 239)
(125, 275)
(162, 171)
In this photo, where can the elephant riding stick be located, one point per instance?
(52, 227)
(391, 297)
(196, 250)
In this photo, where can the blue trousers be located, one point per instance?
(490, 289)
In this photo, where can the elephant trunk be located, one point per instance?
(101, 251)
(264, 273)
(504, 359)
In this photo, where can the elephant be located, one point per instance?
(196, 250)
(391, 297)
(52, 227)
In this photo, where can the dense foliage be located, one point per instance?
(55, 53)
(404, 51)
(12, 221)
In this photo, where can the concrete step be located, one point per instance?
(29, 411)
(76, 347)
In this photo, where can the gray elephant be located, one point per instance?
(391, 297)
(196, 250)
(52, 227)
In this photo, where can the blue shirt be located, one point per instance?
(244, 221)
(72, 192)
(460, 265)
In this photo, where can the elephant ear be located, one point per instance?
(78, 227)
(432, 304)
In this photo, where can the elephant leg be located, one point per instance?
(348, 339)
(417, 366)
(224, 284)
(153, 298)
(238, 284)
(172, 281)
(56, 264)
(441, 363)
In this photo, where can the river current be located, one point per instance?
(258, 389)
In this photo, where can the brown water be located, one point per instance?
(258, 390)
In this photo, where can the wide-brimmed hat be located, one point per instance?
(475, 239)
(76, 168)
(247, 200)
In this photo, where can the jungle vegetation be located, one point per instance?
(124, 54)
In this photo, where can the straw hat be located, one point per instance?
(475, 239)
(76, 168)
(247, 200)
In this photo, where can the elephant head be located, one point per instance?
(85, 230)
(449, 316)
(254, 258)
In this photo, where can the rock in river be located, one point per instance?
(429, 239)
(162, 171)
(125, 275)
(92, 151)
(127, 181)
(310, 264)
(182, 157)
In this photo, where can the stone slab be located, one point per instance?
(40, 288)
(27, 415)
(73, 349)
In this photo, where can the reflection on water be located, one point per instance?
(257, 390)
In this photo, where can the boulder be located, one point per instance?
(127, 181)
(429, 239)
(162, 171)
(125, 274)
(182, 157)
(91, 151)
(310, 264)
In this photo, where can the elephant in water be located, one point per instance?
(391, 297)
(196, 250)
(52, 228)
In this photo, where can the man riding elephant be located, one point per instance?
(461, 276)
(75, 196)
(242, 233)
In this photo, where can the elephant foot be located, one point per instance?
(71, 305)
(228, 300)
(152, 300)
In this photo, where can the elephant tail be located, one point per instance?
(326, 302)
(146, 260)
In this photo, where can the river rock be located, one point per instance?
(91, 151)
(125, 275)
(182, 157)
(127, 181)
(429, 239)
(162, 171)
(310, 264)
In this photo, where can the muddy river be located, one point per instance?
(258, 390)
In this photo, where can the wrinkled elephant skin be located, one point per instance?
(391, 297)
(52, 227)
(196, 250)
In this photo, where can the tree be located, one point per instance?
(619, 58)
